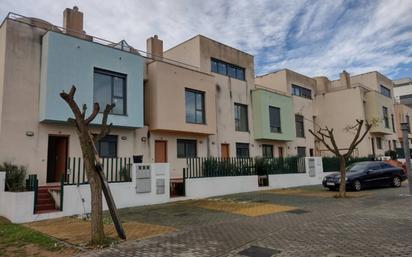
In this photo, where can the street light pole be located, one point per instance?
(405, 131)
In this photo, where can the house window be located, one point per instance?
(110, 87)
(241, 117)
(186, 148)
(227, 69)
(393, 123)
(385, 116)
(195, 106)
(267, 151)
(242, 150)
(274, 120)
(300, 126)
(385, 91)
(301, 151)
(409, 124)
(379, 143)
(301, 91)
(107, 146)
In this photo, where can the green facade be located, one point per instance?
(261, 100)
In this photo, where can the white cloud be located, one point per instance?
(311, 37)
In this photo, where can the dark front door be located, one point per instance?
(57, 157)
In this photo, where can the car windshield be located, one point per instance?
(354, 167)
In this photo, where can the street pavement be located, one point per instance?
(375, 222)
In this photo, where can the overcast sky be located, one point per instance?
(310, 37)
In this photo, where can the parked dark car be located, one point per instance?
(369, 174)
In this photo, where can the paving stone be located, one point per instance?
(379, 224)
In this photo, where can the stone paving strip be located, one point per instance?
(305, 192)
(246, 208)
(76, 231)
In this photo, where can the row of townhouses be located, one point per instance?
(199, 98)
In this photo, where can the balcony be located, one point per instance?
(68, 60)
(262, 99)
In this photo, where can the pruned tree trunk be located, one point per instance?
(87, 143)
(327, 138)
(342, 170)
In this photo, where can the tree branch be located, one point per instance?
(105, 129)
(96, 110)
(322, 139)
(69, 98)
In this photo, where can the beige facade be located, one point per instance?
(340, 102)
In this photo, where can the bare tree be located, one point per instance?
(327, 138)
(87, 143)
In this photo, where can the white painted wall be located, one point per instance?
(299, 179)
(77, 198)
(207, 187)
(18, 206)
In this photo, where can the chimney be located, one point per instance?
(73, 21)
(345, 79)
(154, 47)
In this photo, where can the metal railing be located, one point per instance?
(122, 45)
(115, 170)
(331, 164)
(32, 184)
(202, 167)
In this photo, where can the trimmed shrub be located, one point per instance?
(15, 176)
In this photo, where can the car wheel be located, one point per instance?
(396, 181)
(357, 185)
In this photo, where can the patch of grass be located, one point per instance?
(16, 236)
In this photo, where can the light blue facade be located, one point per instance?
(68, 61)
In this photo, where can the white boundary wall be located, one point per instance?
(313, 177)
(77, 198)
(214, 186)
(18, 206)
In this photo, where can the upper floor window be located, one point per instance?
(107, 146)
(385, 116)
(300, 126)
(385, 91)
(227, 69)
(110, 87)
(241, 117)
(409, 123)
(393, 123)
(301, 91)
(274, 120)
(195, 106)
(186, 148)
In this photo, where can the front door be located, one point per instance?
(224, 151)
(160, 151)
(57, 157)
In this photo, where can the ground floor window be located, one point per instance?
(301, 151)
(267, 151)
(379, 143)
(107, 147)
(186, 148)
(242, 150)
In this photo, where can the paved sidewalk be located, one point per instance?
(377, 224)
